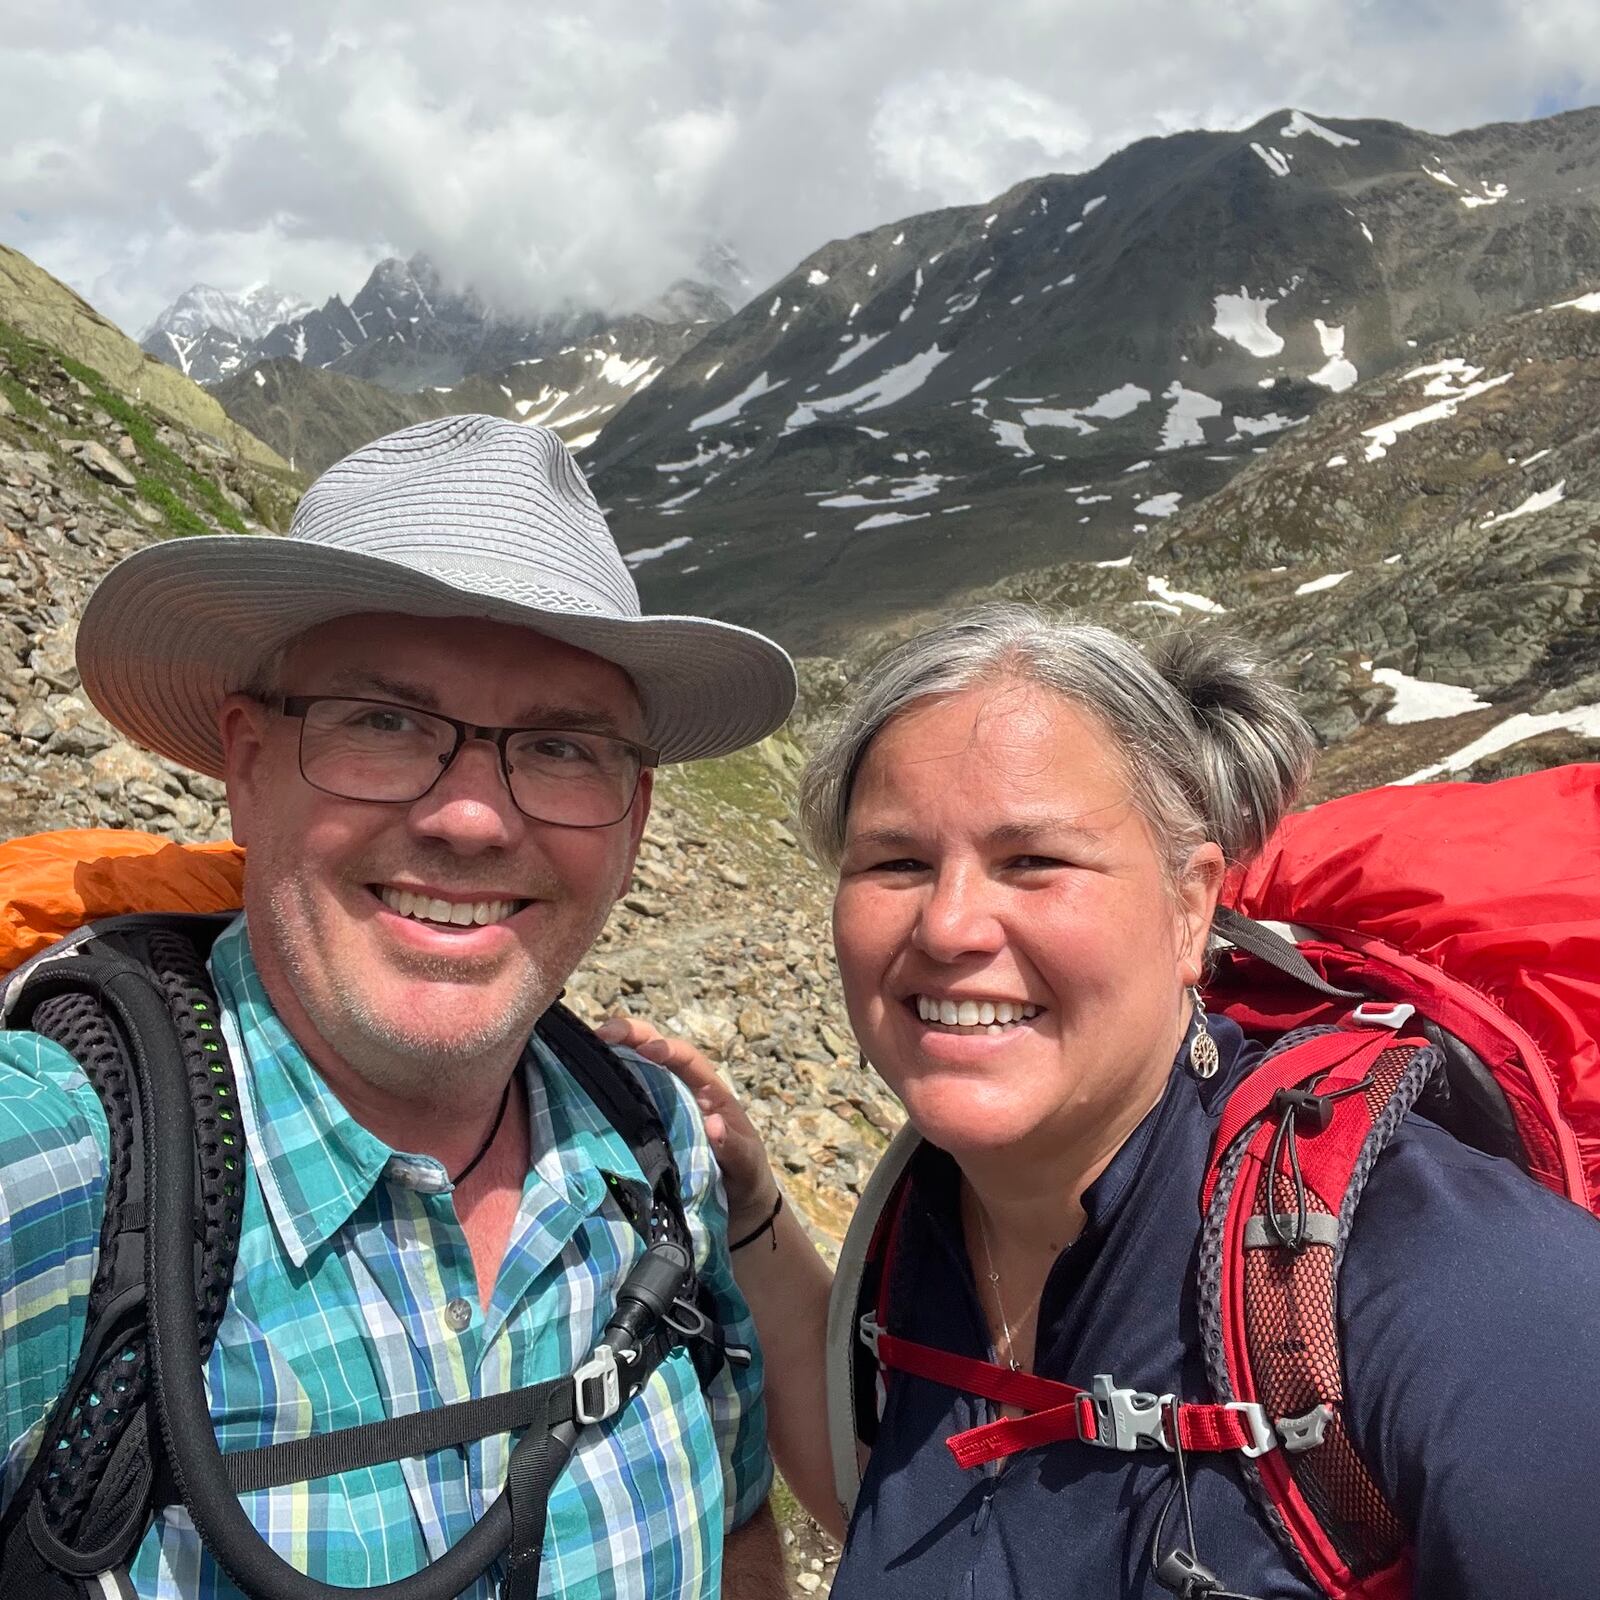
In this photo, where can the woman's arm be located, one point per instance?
(779, 1272)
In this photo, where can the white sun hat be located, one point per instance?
(464, 516)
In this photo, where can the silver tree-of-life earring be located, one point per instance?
(1203, 1057)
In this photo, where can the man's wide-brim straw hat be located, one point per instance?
(465, 516)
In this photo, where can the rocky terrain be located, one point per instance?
(970, 393)
(39, 306)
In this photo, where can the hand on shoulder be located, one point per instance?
(746, 1172)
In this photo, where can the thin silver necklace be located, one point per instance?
(999, 1296)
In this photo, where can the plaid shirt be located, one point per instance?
(355, 1300)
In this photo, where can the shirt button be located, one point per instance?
(458, 1315)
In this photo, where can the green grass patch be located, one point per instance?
(23, 401)
(173, 487)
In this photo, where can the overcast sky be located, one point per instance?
(589, 151)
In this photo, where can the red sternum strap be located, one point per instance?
(1107, 1416)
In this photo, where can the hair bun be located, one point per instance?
(1256, 748)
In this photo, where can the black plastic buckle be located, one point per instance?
(1310, 1110)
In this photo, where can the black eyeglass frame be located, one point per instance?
(297, 705)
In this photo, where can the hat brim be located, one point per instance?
(176, 627)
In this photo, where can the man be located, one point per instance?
(436, 707)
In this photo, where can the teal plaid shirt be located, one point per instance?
(350, 1256)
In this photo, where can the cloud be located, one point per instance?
(590, 154)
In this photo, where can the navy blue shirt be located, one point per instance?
(1470, 1321)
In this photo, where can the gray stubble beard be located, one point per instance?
(380, 1047)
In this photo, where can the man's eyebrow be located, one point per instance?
(580, 719)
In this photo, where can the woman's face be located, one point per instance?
(1013, 955)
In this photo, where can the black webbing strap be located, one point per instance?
(1277, 952)
(420, 1433)
(619, 1099)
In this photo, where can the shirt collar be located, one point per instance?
(316, 1164)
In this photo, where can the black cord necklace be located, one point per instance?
(483, 1149)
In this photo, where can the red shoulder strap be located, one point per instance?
(1294, 1146)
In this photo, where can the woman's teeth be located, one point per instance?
(992, 1015)
(452, 913)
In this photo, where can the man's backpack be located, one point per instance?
(1435, 948)
(129, 997)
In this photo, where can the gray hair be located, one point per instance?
(1212, 748)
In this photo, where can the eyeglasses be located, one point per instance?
(373, 750)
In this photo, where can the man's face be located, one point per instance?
(406, 1003)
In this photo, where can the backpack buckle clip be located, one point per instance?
(1376, 1014)
(870, 1331)
(597, 1387)
(1263, 1436)
(1128, 1419)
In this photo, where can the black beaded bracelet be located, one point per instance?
(766, 1227)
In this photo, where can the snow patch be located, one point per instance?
(1338, 461)
(1300, 123)
(1250, 427)
(1584, 720)
(917, 488)
(726, 413)
(887, 519)
(884, 390)
(1417, 700)
(1584, 302)
(1012, 435)
(1159, 505)
(1337, 373)
(1386, 433)
(1542, 501)
(624, 374)
(1331, 581)
(636, 558)
(1493, 194)
(1243, 319)
(1123, 561)
(1276, 160)
(1441, 177)
(1179, 597)
(260, 377)
(1093, 205)
(816, 277)
(1118, 402)
(1188, 410)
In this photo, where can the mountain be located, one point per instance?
(41, 307)
(987, 389)
(1420, 561)
(206, 333)
(407, 331)
(313, 416)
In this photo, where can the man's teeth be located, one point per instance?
(455, 913)
(990, 1014)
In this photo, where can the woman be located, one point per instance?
(1031, 823)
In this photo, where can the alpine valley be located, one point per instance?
(1330, 384)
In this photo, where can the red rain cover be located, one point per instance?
(1497, 885)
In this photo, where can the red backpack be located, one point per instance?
(1441, 939)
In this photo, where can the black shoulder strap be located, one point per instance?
(625, 1104)
(85, 1501)
(132, 1003)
